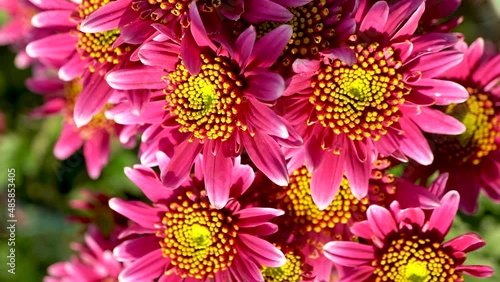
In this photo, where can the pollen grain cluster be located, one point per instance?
(361, 100)
(198, 239)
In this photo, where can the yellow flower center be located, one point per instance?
(207, 104)
(414, 258)
(156, 10)
(482, 128)
(361, 100)
(198, 238)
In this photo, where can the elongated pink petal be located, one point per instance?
(442, 217)
(357, 173)
(265, 253)
(361, 273)
(245, 270)
(476, 270)
(55, 18)
(73, 68)
(465, 243)
(160, 54)
(54, 4)
(326, 179)
(435, 121)
(143, 77)
(147, 268)
(349, 253)
(267, 156)
(94, 96)
(190, 54)
(218, 175)
(265, 10)
(253, 216)
(265, 119)
(435, 64)
(108, 17)
(96, 151)
(46, 48)
(411, 24)
(363, 229)
(139, 212)
(413, 143)
(180, 164)
(269, 47)
(68, 142)
(198, 28)
(244, 46)
(381, 221)
(399, 12)
(376, 18)
(147, 180)
(264, 84)
(135, 248)
(443, 91)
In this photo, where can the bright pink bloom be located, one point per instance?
(472, 159)
(374, 101)
(407, 245)
(183, 236)
(94, 262)
(183, 20)
(79, 55)
(220, 110)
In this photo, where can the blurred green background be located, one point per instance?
(44, 185)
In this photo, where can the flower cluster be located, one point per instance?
(268, 133)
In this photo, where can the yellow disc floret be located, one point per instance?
(291, 271)
(198, 239)
(361, 100)
(206, 104)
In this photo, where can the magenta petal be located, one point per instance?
(265, 119)
(161, 54)
(349, 253)
(73, 68)
(413, 143)
(465, 243)
(267, 156)
(147, 268)
(326, 179)
(357, 172)
(108, 17)
(264, 84)
(435, 64)
(257, 11)
(250, 217)
(476, 270)
(439, 185)
(442, 217)
(91, 100)
(244, 269)
(412, 215)
(51, 19)
(139, 212)
(443, 91)
(180, 164)
(143, 77)
(147, 180)
(408, 29)
(435, 121)
(244, 46)
(46, 48)
(361, 273)
(218, 175)
(135, 248)
(96, 151)
(362, 229)
(198, 28)
(190, 54)
(376, 18)
(68, 142)
(268, 48)
(381, 221)
(265, 253)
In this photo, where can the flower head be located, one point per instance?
(184, 236)
(405, 245)
(374, 99)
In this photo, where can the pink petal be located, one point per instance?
(413, 143)
(139, 212)
(243, 177)
(434, 121)
(381, 221)
(357, 173)
(96, 151)
(267, 156)
(443, 91)
(267, 49)
(253, 216)
(135, 248)
(180, 164)
(45, 47)
(326, 179)
(198, 28)
(73, 68)
(363, 229)
(94, 96)
(439, 185)
(263, 252)
(412, 215)
(265, 10)
(190, 54)
(435, 64)
(442, 217)
(264, 84)
(108, 17)
(409, 28)
(147, 180)
(245, 269)
(51, 19)
(244, 46)
(376, 18)
(265, 119)
(476, 270)
(143, 77)
(68, 143)
(147, 268)
(161, 54)
(465, 243)
(218, 175)
(349, 253)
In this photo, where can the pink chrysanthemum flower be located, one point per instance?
(78, 54)
(182, 20)
(95, 136)
(184, 237)
(221, 110)
(405, 245)
(309, 228)
(375, 101)
(95, 261)
(472, 159)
